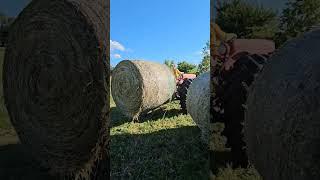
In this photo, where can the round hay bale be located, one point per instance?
(139, 86)
(198, 104)
(282, 127)
(56, 84)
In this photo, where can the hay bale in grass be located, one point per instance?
(139, 86)
(282, 127)
(198, 104)
(56, 84)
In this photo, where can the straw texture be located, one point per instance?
(139, 86)
(56, 83)
(198, 104)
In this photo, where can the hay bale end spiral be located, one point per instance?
(56, 84)
(139, 86)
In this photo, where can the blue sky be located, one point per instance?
(154, 29)
(12, 7)
(159, 29)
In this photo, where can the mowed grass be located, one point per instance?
(163, 145)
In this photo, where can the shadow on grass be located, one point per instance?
(160, 113)
(15, 164)
(117, 118)
(218, 160)
(166, 154)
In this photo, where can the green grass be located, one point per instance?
(164, 145)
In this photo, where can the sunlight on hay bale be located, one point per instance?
(56, 86)
(139, 86)
(198, 104)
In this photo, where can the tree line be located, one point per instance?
(256, 21)
(187, 67)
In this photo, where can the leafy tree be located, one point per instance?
(194, 71)
(186, 67)
(299, 16)
(247, 20)
(169, 63)
(204, 66)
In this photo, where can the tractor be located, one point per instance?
(234, 65)
(183, 82)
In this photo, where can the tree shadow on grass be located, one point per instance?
(15, 164)
(166, 154)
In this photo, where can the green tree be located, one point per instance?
(204, 66)
(169, 63)
(247, 20)
(299, 16)
(186, 67)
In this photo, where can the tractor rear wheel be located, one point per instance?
(182, 91)
(232, 93)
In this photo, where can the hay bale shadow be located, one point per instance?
(117, 118)
(160, 113)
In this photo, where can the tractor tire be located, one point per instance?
(232, 93)
(282, 127)
(182, 91)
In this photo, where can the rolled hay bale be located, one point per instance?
(198, 104)
(56, 84)
(282, 127)
(140, 86)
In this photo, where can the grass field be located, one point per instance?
(164, 145)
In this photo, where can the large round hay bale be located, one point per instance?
(198, 104)
(139, 86)
(282, 126)
(56, 83)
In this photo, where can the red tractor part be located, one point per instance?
(183, 83)
(234, 69)
(183, 77)
(230, 52)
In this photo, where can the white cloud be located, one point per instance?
(117, 56)
(114, 45)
